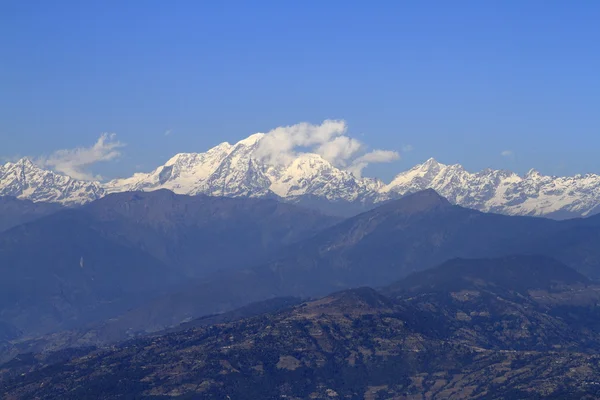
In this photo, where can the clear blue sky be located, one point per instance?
(460, 81)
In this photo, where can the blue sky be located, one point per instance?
(459, 81)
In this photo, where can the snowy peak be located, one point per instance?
(236, 170)
(23, 179)
(311, 174)
(431, 165)
(503, 191)
(420, 177)
(251, 140)
(24, 163)
(533, 174)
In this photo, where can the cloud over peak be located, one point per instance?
(282, 144)
(329, 139)
(76, 162)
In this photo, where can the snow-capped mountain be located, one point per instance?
(503, 191)
(224, 170)
(235, 170)
(24, 179)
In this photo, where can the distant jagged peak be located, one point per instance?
(26, 164)
(223, 148)
(431, 163)
(196, 157)
(23, 162)
(419, 176)
(26, 169)
(430, 166)
(533, 174)
(251, 140)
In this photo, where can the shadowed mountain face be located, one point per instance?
(456, 331)
(406, 235)
(15, 211)
(202, 234)
(519, 273)
(80, 265)
(59, 272)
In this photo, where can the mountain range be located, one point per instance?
(236, 170)
(137, 262)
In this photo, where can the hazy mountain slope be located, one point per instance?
(15, 211)
(470, 341)
(576, 244)
(80, 265)
(518, 273)
(375, 248)
(410, 234)
(59, 272)
(202, 234)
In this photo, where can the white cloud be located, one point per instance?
(507, 153)
(168, 132)
(375, 156)
(281, 145)
(76, 162)
(339, 150)
(407, 148)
